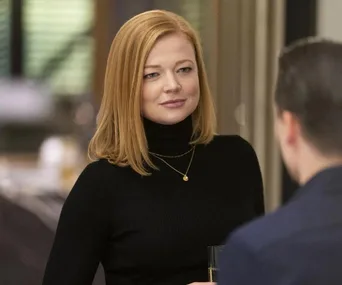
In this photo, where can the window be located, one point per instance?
(5, 38)
(58, 44)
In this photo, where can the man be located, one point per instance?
(301, 242)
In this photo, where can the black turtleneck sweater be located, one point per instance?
(156, 229)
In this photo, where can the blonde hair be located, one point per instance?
(120, 135)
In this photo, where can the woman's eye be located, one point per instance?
(151, 75)
(185, 69)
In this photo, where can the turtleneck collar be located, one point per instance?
(168, 139)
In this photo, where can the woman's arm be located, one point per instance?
(81, 234)
(259, 202)
(252, 172)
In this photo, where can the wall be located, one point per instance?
(329, 19)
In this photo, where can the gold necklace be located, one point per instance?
(185, 175)
(171, 156)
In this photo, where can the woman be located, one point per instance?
(162, 187)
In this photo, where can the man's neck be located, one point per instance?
(315, 164)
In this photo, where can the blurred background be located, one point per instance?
(52, 62)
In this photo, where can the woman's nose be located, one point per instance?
(171, 84)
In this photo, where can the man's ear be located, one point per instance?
(291, 127)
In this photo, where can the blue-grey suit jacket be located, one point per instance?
(299, 244)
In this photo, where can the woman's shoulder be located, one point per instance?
(230, 146)
(98, 166)
(234, 142)
(95, 177)
(101, 164)
(99, 170)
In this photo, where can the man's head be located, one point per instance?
(308, 101)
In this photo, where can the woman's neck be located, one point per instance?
(169, 139)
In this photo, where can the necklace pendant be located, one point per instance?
(185, 178)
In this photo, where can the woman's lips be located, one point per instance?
(174, 103)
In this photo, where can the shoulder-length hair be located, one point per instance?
(120, 135)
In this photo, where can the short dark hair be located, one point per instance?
(309, 85)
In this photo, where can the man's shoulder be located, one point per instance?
(272, 229)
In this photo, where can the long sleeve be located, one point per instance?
(81, 233)
(252, 168)
(259, 203)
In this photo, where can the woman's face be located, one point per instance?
(171, 85)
